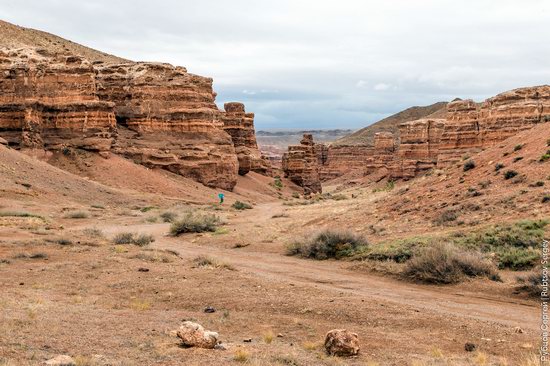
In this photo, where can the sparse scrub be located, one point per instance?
(195, 223)
(546, 198)
(498, 166)
(77, 215)
(509, 174)
(168, 216)
(147, 208)
(518, 158)
(64, 241)
(205, 261)
(279, 215)
(94, 233)
(545, 157)
(531, 283)
(446, 217)
(241, 355)
(277, 183)
(268, 337)
(518, 147)
(238, 205)
(19, 214)
(469, 165)
(133, 238)
(329, 244)
(444, 264)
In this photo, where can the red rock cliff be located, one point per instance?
(50, 101)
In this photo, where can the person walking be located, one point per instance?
(221, 197)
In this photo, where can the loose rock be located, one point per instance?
(470, 347)
(194, 335)
(61, 360)
(341, 342)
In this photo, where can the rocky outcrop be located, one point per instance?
(381, 154)
(469, 127)
(240, 126)
(167, 118)
(49, 101)
(301, 165)
(341, 342)
(339, 160)
(418, 149)
(194, 335)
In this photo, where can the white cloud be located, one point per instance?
(309, 55)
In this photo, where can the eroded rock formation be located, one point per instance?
(301, 165)
(50, 101)
(156, 114)
(167, 118)
(240, 126)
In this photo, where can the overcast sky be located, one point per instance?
(314, 63)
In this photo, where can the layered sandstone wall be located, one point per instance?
(50, 101)
(301, 165)
(167, 118)
(339, 160)
(240, 126)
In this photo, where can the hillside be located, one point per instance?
(365, 136)
(14, 36)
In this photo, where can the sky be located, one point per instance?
(303, 64)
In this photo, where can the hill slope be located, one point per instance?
(13, 36)
(365, 136)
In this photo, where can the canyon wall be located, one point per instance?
(49, 101)
(156, 114)
(300, 164)
(427, 143)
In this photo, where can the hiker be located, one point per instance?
(221, 196)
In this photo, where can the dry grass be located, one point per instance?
(195, 223)
(241, 355)
(133, 238)
(329, 244)
(205, 261)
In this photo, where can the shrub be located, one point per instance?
(498, 166)
(19, 214)
(531, 283)
(195, 223)
(545, 157)
(93, 233)
(168, 216)
(398, 251)
(77, 215)
(329, 244)
(238, 205)
(469, 165)
(277, 183)
(518, 147)
(133, 238)
(509, 174)
(518, 158)
(444, 264)
(517, 258)
(205, 261)
(546, 198)
(446, 217)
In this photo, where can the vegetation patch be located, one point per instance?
(133, 238)
(77, 215)
(195, 223)
(329, 244)
(445, 264)
(469, 165)
(168, 216)
(531, 283)
(19, 214)
(509, 174)
(238, 205)
(446, 217)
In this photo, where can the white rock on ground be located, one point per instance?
(341, 342)
(194, 335)
(61, 360)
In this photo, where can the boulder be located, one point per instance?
(341, 342)
(61, 360)
(301, 165)
(3, 142)
(194, 335)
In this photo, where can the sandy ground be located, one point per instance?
(66, 290)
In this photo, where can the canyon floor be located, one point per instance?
(68, 289)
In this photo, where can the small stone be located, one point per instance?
(221, 347)
(247, 340)
(470, 347)
(280, 335)
(61, 360)
(142, 269)
(341, 342)
(518, 330)
(209, 309)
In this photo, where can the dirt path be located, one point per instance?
(333, 277)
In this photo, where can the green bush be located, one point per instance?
(195, 223)
(545, 157)
(518, 147)
(238, 205)
(509, 174)
(444, 264)
(329, 244)
(469, 165)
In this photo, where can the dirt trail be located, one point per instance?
(333, 277)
